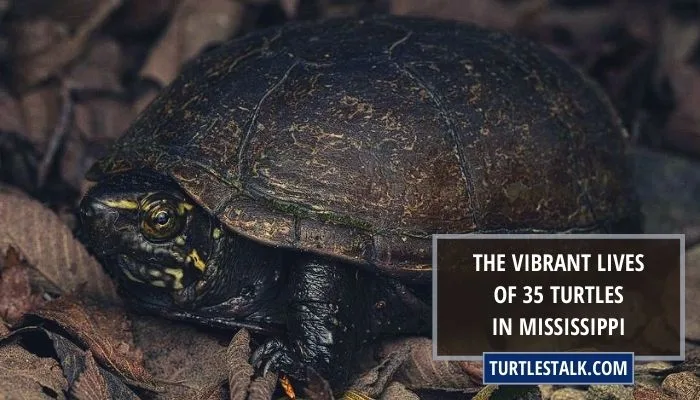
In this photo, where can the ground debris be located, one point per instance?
(60, 262)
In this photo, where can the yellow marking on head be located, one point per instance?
(131, 276)
(177, 274)
(155, 273)
(180, 240)
(182, 207)
(197, 260)
(158, 284)
(122, 204)
(216, 233)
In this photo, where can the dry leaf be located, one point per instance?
(196, 25)
(649, 393)
(683, 386)
(397, 391)
(668, 187)
(692, 294)
(97, 124)
(290, 7)
(4, 329)
(187, 360)
(41, 109)
(263, 387)
(104, 331)
(16, 296)
(419, 371)
(18, 162)
(319, 389)
(73, 13)
(24, 375)
(10, 115)
(372, 383)
(75, 362)
(683, 129)
(488, 13)
(100, 69)
(144, 100)
(240, 370)
(339, 8)
(61, 262)
(90, 385)
(42, 48)
(143, 15)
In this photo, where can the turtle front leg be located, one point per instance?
(325, 323)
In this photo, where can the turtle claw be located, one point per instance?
(274, 355)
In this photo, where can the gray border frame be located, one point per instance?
(565, 383)
(436, 237)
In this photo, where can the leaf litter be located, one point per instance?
(60, 264)
(644, 55)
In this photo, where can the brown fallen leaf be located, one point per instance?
(16, 295)
(649, 393)
(24, 375)
(90, 385)
(73, 14)
(240, 371)
(105, 331)
(138, 16)
(339, 8)
(189, 362)
(76, 364)
(373, 383)
(419, 371)
(692, 294)
(40, 109)
(4, 328)
(319, 389)
(668, 187)
(683, 128)
(682, 386)
(488, 13)
(10, 115)
(42, 47)
(397, 391)
(18, 162)
(195, 25)
(263, 387)
(290, 7)
(61, 263)
(100, 68)
(98, 122)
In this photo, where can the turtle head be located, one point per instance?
(145, 230)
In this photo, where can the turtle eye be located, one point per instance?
(160, 219)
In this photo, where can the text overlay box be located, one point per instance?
(558, 293)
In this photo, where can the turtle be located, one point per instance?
(289, 181)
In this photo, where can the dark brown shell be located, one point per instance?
(359, 139)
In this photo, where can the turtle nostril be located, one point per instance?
(93, 212)
(86, 210)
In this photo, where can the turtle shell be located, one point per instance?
(359, 139)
